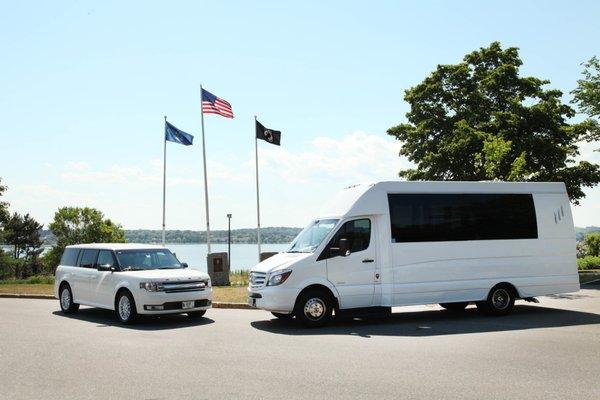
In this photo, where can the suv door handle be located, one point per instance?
(368, 260)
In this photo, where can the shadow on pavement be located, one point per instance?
(439, 322)
(106, 318)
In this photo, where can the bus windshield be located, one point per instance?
(311, 237)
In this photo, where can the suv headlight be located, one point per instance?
(152, 286)
(279, 277)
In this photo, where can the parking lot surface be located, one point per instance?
(549, 350)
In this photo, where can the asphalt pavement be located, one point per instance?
(549, 350)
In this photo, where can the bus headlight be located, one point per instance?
(279, 277)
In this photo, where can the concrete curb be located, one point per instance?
(27, 296)
(237, 306)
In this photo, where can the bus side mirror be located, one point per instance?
(344, 248)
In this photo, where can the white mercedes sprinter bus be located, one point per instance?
(404, 243)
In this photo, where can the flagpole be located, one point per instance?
(164, 181)
(205, 178)
(257, 191)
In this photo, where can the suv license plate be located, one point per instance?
(187, 304)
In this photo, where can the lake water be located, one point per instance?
(243, 256)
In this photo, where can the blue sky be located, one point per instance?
(85, 86)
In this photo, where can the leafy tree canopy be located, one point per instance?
(480, 120)
(3, 205)
(587, 94)
(73, 225)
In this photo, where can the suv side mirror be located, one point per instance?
(106, 267)
(344, 247)
(184, 265)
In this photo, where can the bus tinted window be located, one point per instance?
(453, 217)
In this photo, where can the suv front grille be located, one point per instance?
(184, 286)
(257, 279)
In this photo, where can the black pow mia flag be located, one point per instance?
(268, 135)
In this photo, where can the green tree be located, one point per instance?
(592, 242)
(480, 120)
(587, 94)
(3, 206)
(73, 225)
(23, 233)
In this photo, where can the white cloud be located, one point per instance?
(78, 165)
(588, 151)
(357, 157)
(114, 174)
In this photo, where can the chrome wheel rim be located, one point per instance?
(65, 298)
(124, 308)
(314, 309)
(500, 299)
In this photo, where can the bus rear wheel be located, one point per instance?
(500, 301)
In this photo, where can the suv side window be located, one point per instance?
(105, 257)
(358, 233)
(88, 258)
(69, 257)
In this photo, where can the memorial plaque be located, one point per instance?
(217, 264)
(218, 269)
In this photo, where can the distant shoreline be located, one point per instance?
(269, 235)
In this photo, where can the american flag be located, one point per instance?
(211, 104)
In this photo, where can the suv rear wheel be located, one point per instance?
(66, 299)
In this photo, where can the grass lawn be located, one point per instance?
(230, 294)
(25, 288)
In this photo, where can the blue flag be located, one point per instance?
(173, 134)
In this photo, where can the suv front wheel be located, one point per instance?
(125, 307)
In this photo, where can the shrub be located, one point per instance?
(9, 266)
(587, 263)
(592, 242)
(32, 280)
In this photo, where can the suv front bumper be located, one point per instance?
(171, 303)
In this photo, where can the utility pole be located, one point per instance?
(229, 242)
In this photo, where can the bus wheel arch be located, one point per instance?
(500, 300)
(314, 305)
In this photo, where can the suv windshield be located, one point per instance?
(137, 260)
(311, 237)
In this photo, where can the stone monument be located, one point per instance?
(218, 269)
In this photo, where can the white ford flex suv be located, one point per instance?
(130, 279)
